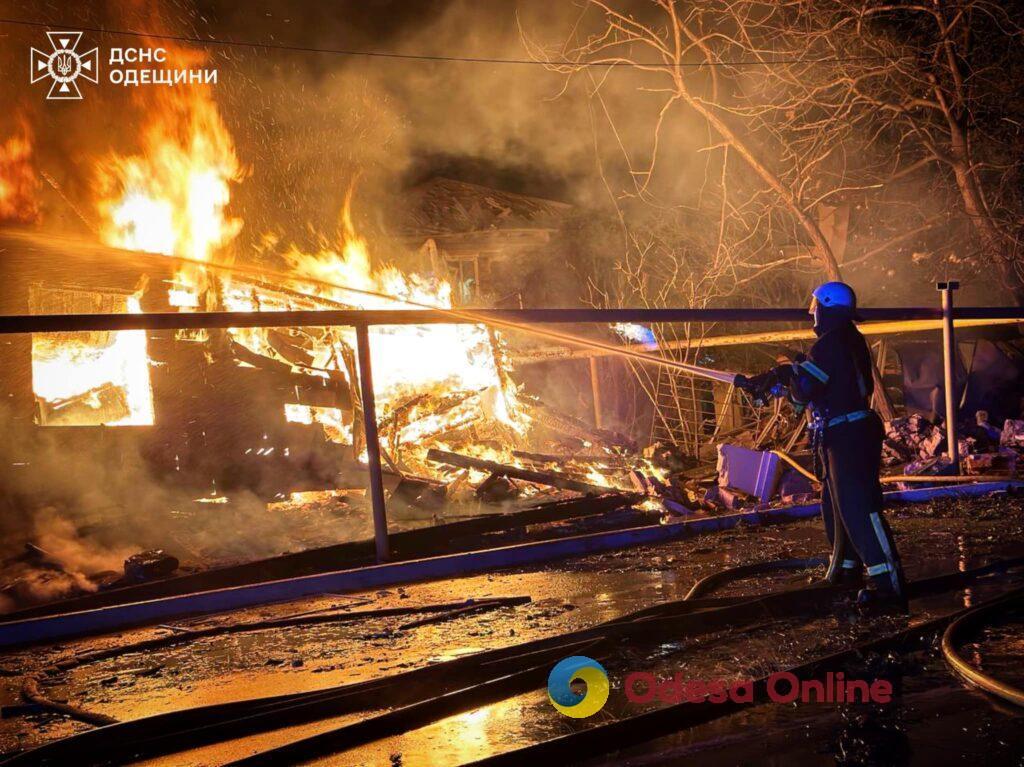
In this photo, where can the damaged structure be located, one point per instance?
(344, 423)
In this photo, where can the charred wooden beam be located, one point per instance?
(503, 470)
(106, 403)
(608, 461)
(575, 428)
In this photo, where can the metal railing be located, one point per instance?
(362, 320)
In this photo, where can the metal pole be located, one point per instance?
(380, 516)
(595, 387)
(949, 372)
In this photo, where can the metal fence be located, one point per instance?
(362, 320)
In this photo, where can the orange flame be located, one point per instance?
(408, 360)
(172, 197)
(18, 181)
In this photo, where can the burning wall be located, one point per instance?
(171, 195)
(18, 181)
(172, 188)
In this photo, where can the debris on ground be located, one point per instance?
(1012, 434)
(148, 565)
(909, 438)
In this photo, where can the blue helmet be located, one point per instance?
(834, 294)
(833, 298)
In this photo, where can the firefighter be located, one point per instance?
(834, 381)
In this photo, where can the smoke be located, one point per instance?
(61, 562)
(85, 506)
(310, 123)
(307, 124)
(60, 538)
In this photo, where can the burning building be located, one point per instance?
(207, 493)
(210, 416)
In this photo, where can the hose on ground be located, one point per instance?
(441, 611)
(484, 673)
(922, 478)
(32, 694)
(954, 635)
(720, 577)
(941, 479)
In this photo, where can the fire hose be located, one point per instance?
(716, 579)
(674, 718)
(469, 316)
(910, 478)
(30, 692)
(955, 634)
(461, 684)
(350, 736)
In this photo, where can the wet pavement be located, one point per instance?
(933, 720)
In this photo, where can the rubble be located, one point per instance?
(910, 438)
(986, 429)
(722, 497)
(497, 489)
(928, 467)
(1002, 463)
(795, 488)
(1013, 434)
(149, 565)
(676, 509)
(544, 478)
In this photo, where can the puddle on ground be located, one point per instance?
(569, 595)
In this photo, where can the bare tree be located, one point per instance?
(909, 111)
(836, 98)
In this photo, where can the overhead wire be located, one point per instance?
(213, 41)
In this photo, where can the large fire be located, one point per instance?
(415, 366)
(172, 196)
(441, 385)
(18, 181)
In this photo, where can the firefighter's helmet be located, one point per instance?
(831, 295)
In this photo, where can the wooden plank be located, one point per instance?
(515, 472)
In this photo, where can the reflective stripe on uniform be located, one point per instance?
(850, 564)
(849, 417)
(883, 541)
(815, 371)
(885, 567)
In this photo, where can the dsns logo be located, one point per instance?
(572, 703)
(64, 65)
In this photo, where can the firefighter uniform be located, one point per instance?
(834, 380)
